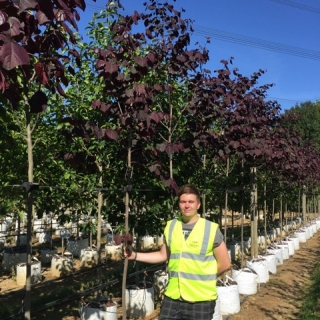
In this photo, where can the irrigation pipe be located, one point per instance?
(84, 293)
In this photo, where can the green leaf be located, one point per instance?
(66, 175)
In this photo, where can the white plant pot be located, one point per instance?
(61, 265)
(37, 223)
(247, 280)
(89, 258)
(3, 226)
(159, 241)
(53, 223)
(285, 250)
(277, 251)
(301, 235)
(98, 311)
(140, 300)
(2, 239)
(113, 252)
(272, 262)
(39, 231)
(290, 246)
(229, 297)
(147, 243)
(260, 266)
(22, 272)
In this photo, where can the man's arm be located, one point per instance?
(222, 257)
(150, 257)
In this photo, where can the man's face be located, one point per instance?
(189, 205)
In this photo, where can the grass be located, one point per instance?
(311, 304)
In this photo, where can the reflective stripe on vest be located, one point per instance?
(192, 276)
(173, 223)
(192, 256)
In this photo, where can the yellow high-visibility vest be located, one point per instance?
(192, 266)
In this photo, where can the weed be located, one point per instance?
(311, 304)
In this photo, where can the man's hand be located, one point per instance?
(127, 252)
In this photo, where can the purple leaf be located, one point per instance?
(70, 33)
(27, 4)
(3, 18)
(13, 55)
(105, 107)
(156, 117)
(41, 73)
(151, 58)
(42, 18)
(153, 167)
(169, 149)
(111, 67)
(47, 8)
(16, 29)
(157, 87)
(71, 70)
(142, 62)
(60, 90)
(165, 182)
(161, 147)
(234, 144)
(140, 88)
(38, 102)
(112, 134)
(81, 4)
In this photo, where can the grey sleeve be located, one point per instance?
(218, 239)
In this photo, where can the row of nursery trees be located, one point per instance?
(115, 125)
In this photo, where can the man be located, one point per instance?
(196, 255)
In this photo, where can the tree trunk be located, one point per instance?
(125, 267)
(280, 217)
(265, 211)
(226, 203)
(254, 215)
(27, 305)
(170, 129)
(204, 193)
(242, 214)
(272, 210)
(299, 205)
(304, 207)
(19, 229)
(100, 204)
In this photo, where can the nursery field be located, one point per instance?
(280, 298)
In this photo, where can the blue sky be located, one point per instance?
(290, 26)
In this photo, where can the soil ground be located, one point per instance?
(280, 298)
